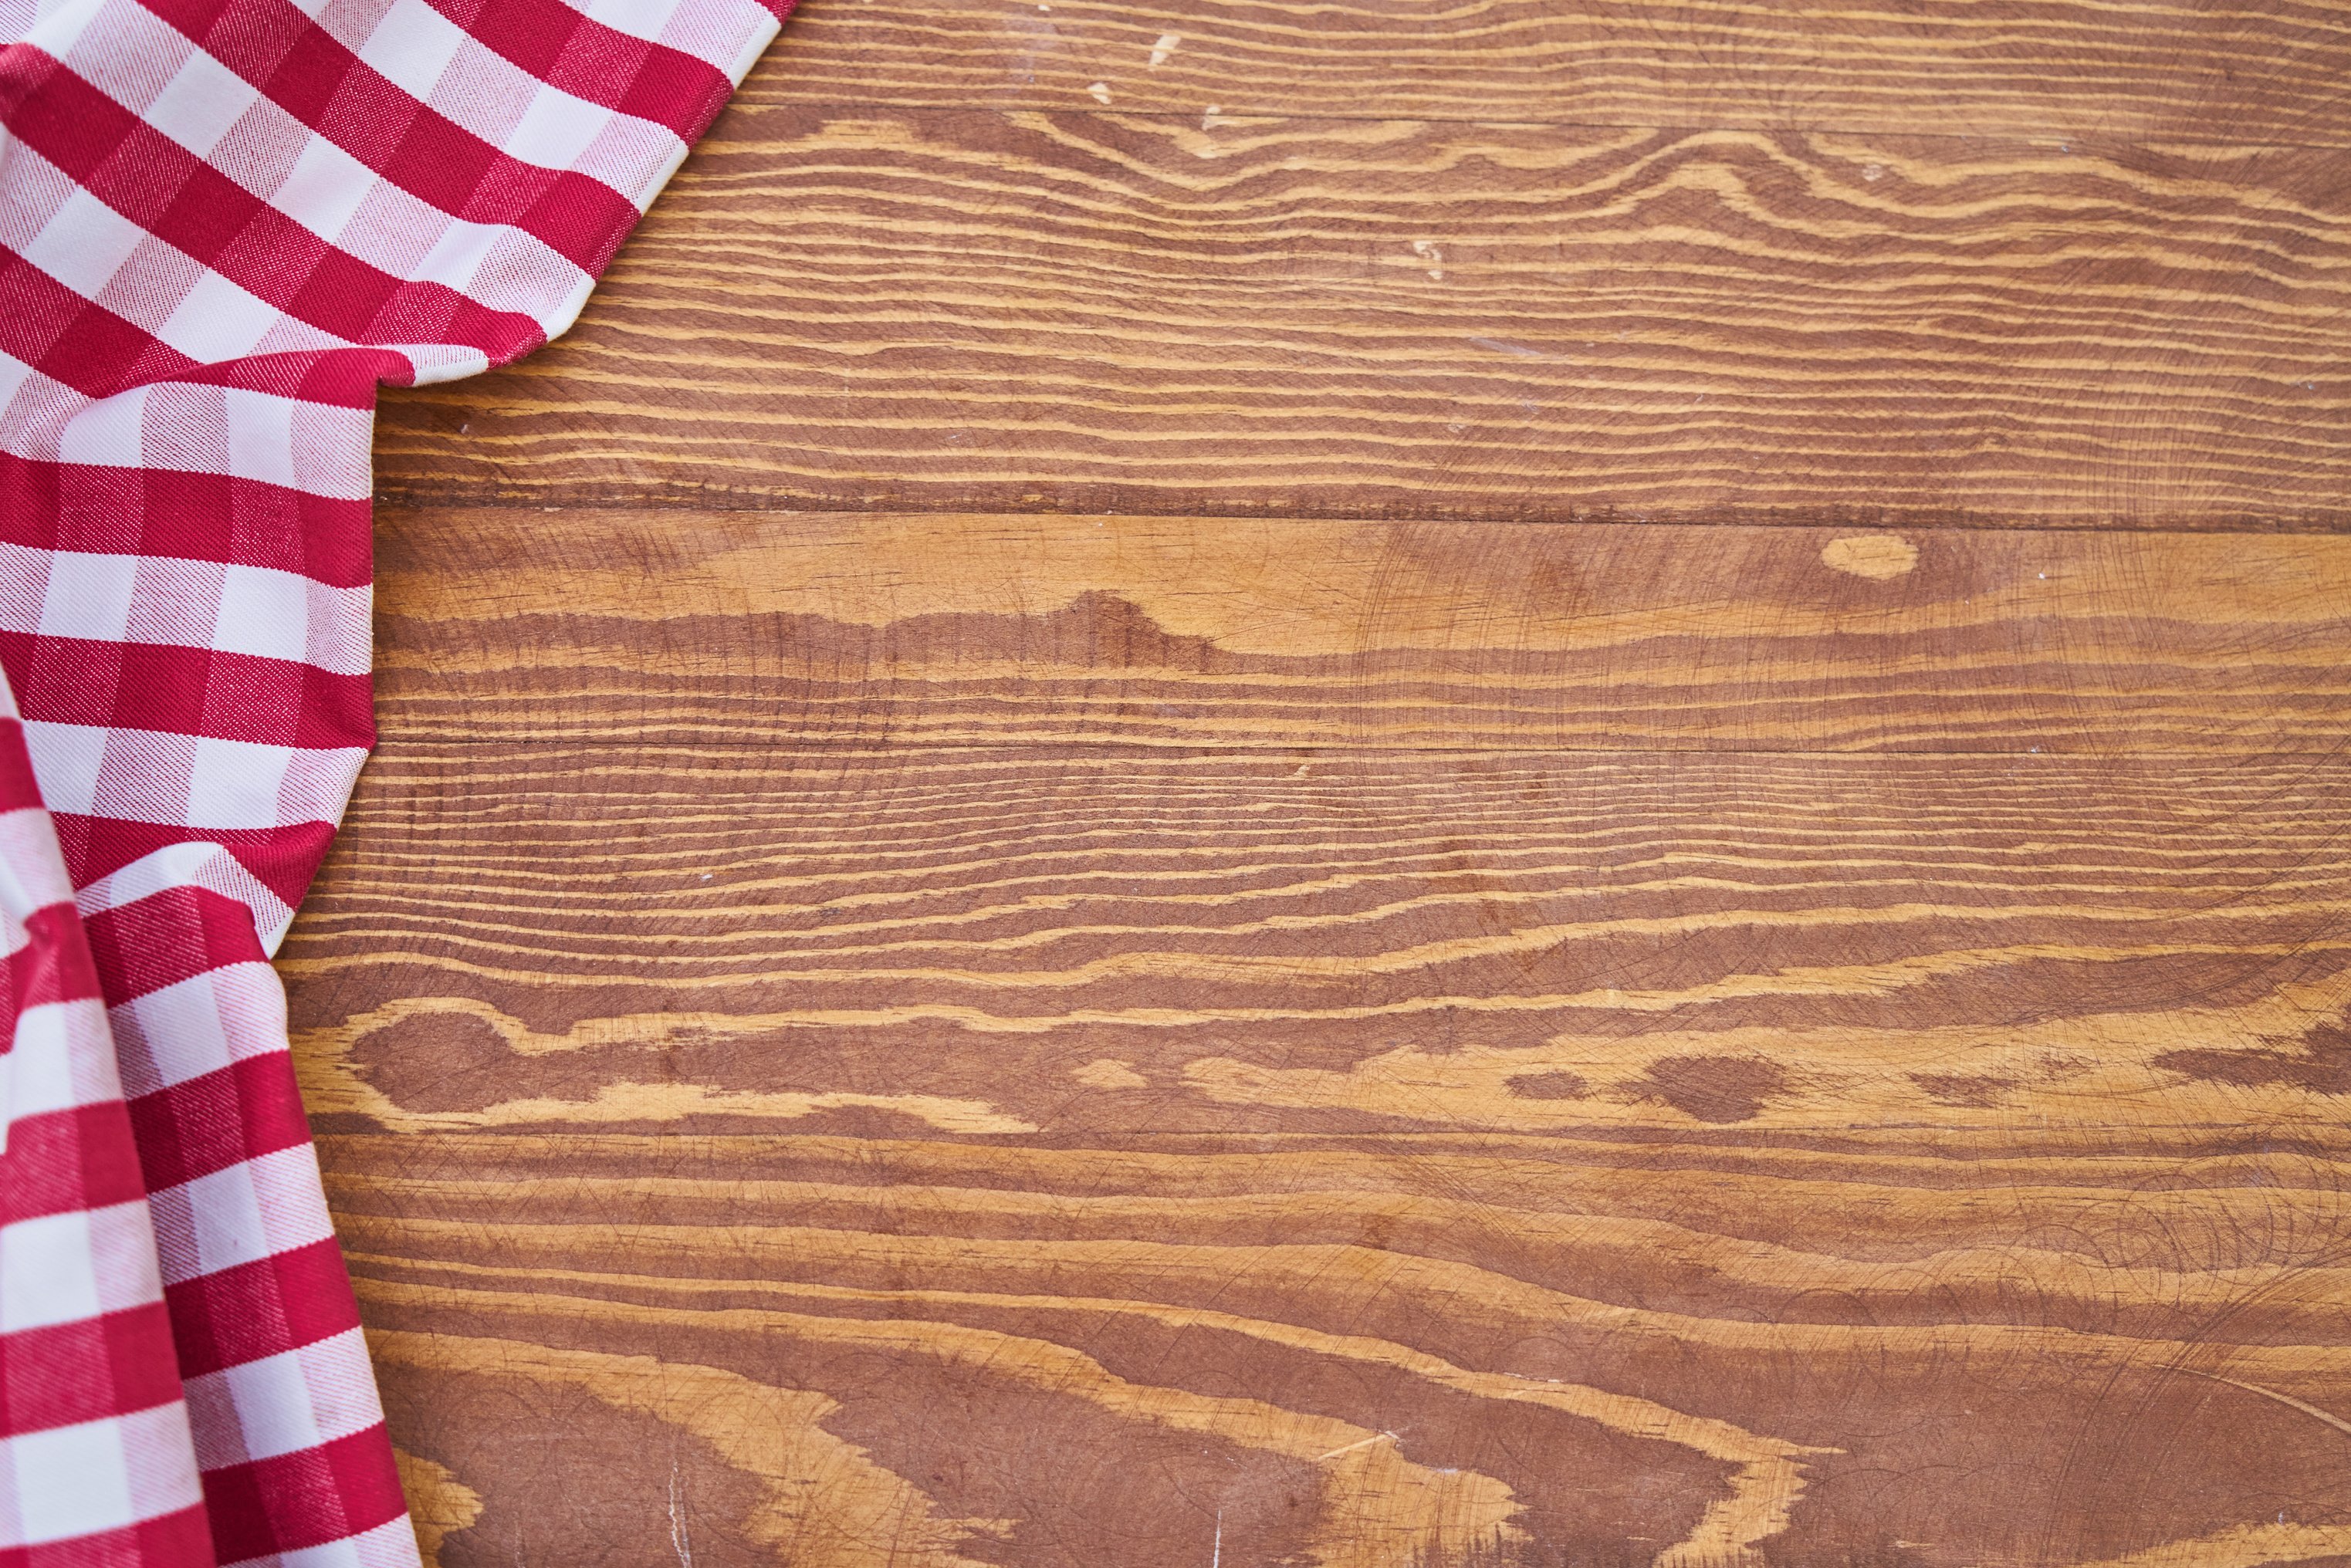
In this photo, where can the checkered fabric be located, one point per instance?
(223, 223)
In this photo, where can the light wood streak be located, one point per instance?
(439, 1504)
(2247, 1546)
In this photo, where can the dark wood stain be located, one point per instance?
(2321, 1062)
(1715, 1089)
(1549, 1086)
(1979, 1091)
(1488, 785)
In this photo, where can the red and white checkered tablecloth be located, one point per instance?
(223, 223)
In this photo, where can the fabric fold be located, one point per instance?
(223, 224)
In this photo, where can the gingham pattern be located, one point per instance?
(223, 223)
(95, 1454)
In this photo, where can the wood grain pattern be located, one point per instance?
(886, 308)
(1488, 786)
(1313, 1351)
(2159, 68)
(1330, 941)
(1477, 1158)
(725, 628)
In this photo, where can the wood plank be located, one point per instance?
(2153, 69)
(1076, 1156)
(1358, 1350)
(748, 628)
(881, 309)
(1324, 941)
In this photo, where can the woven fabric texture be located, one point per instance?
(223, 223)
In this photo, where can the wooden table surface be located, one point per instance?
(1386, 785)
